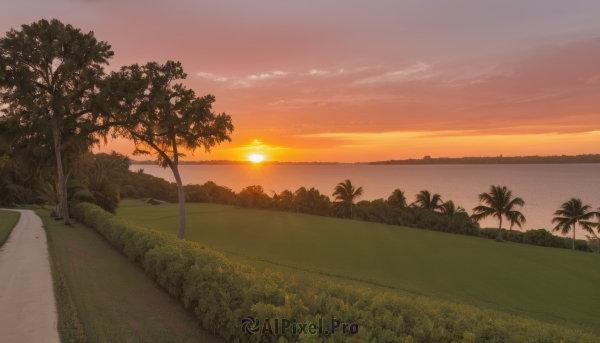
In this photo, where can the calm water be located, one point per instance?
(543, 187)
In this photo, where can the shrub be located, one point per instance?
(221, 293)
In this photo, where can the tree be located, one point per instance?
(345, 194)
(49, 74)
(310, 201)
(284, 200)
(397, 198)
(450, 210)
(570, 214)
(253, 196)
(597, 225)
(500, 203)
(514, 219)
(164, 118)
(425, 200)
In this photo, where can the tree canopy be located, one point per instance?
(499, 203)
(49, 78)
(163, 117)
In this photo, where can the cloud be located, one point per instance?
(212, 77)
(317, 72)
(251, 80)
(267, 76)
(398, 75)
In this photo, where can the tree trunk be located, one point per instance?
(181, 194)
(62, 184)
(499, 238)
(573, 236)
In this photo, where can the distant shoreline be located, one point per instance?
(563, 159)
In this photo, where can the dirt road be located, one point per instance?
(27, 305)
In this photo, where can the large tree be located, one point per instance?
(499, 203)
(570, 214)
(163, 117)
(49, 75)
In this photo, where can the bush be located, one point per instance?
(221, 293)
(540, 237)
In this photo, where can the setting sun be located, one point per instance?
(256, 158)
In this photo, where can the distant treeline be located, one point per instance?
(227, 162)
(563, 159)
(590, 158)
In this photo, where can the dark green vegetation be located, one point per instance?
(551, 285)
(590, 158)
(573, 213)
(8, 220)
(221, 292)
(103, 297)
(500, 203)
(56, 101)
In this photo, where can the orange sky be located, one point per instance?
(360, 81)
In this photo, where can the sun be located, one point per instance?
(256, 158)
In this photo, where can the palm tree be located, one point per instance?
(345, 194)
(427, 201)
(397, 198)
(513, 219)
(597, 225)
(570, 214)
(49, 194)
(499, 203)
(450, 210)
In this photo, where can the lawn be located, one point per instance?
(104, 297)
(8, 220)
(552, 285)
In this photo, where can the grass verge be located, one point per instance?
(8, 220)
(104, 297)
(551, 285)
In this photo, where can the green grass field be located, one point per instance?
(104, 297)
(8, 220)
(553, 285)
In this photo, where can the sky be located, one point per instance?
(356, 81)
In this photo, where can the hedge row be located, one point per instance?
(221, 293)
(540, 237)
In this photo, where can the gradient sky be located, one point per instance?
(366, 80)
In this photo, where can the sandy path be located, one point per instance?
(27, 305)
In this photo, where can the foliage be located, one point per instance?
(499, 203)
(570, 214)
(253, 196)
(539, 237)
(89, 274)
(221, 292)
(49, 77)
(428, 201)
(310, 201)
(397, 198)
(450, 210)
(49, 194)
(345, 194)
(164, 118)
